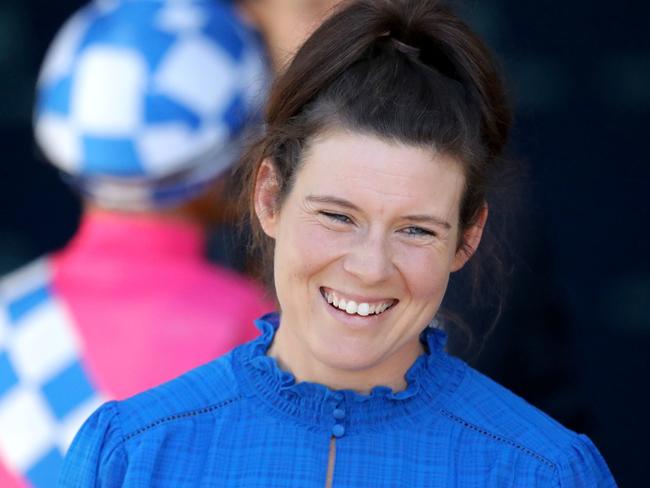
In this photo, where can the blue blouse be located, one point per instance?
(241, 421)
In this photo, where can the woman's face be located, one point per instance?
(364, 245)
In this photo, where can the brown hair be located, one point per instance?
(404, 70)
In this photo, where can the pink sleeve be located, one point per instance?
(7, 480)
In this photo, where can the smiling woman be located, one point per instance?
(368, 223)
(367, 190)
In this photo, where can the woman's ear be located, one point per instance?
(267, 190)
(471, 238)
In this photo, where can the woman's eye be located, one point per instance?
(418, 232)
(343, 219)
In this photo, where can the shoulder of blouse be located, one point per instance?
(99, 451)
(201, 390)
(489, 410)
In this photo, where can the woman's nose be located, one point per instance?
(369, 260)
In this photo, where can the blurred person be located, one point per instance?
(371, 186)
(285, 24)
(143, 106)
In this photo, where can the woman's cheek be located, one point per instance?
(327, 241)
(313, 247)
(425, 270)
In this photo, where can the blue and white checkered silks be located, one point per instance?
(45, 392)
(141, 103)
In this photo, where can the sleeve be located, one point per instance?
(96, 457)
(584, 467)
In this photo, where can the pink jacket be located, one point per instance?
(145, 304)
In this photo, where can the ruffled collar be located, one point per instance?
(430, 379)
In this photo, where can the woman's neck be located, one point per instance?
(296, 358)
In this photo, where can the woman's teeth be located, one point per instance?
(353, 308)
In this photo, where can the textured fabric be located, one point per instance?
(129, 304)
(241, 421)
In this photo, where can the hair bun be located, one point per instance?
(404, 48)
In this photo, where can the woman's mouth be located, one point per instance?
(350, 306)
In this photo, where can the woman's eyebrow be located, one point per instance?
(341, 202)
(428, 219)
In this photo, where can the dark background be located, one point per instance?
(574, 337)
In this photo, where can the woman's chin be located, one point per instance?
(348, 360)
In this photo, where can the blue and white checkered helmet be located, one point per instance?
(142, 103)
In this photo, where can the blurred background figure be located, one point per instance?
(286, 24)
(142, 106)
(283, 25)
